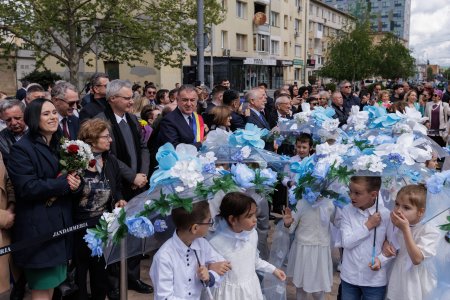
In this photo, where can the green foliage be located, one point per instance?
(45, 78)
(350, 55)
(393, 59)
(430, 73)
(177, 202)
(445, 227)
(123, 229)
(224, 183)
(330, 86)
(123, 30)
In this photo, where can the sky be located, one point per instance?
(430, 31)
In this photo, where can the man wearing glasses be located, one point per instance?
(150, 93)
(349, 98)
(65, 98)
(97, 102)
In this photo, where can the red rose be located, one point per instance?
(73, 149)
(92, 163)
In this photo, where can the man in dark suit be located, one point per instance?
(232, 100)
(179, 125)
(12, 114)
(133, 159)
(22, 92)
(97, 102)
(65, 98)
(256, 102)
(283, 110)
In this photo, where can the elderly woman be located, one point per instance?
(101, 193)
(44, 199)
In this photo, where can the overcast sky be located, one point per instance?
(430, 31)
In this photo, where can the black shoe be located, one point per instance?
(114, 294)
(140, 287)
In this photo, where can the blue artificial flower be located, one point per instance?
(310, 196)
(160, 225)
(303, 167)
(341, 201)
(270, 175)
(237, 156)
(321, 170)
(209, 168)
(375, 111)
(414, 176)
(320, 115)
(395, 159)
(249, 136)
(93, 243)
(243, 175)
(385, 121)
(166, 156)
(140, 227)
(436, 182)
(447, 149)
(292, 199)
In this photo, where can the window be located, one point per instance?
(297, 74)
(241, 42)
(333, 17)
(274, 47)
(285, 49)
(320, 27)
(298, 4)
(261, 43)
(274, 19)
(285, 22)
(223, 39)
(298, 51)
(224, 4)
(385, 4)
(297, 25)
(241, 9)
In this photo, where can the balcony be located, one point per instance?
(264, 2)
(264, 28)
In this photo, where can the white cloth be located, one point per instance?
(310, 263)
(241, 250)
(174, 268)
(414, 282)
(357, 242)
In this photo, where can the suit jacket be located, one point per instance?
(272, 118)
(255, 119)
(342, 115)
(175, 130)
(237, 121)
(33, 169)
(7, 140)
(73, 125)
(92, 109)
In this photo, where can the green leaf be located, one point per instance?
(445, 227)
(176, 202)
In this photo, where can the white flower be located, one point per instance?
(330, 124)
(370, 163)
(208, 158)
(302, 117)
(179, 189)
(148, 202)
(411, 150)
(186, 151)
(246, 152)
(188, 172)
(401, 128)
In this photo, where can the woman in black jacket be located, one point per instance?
(44, 200)
(101, 193)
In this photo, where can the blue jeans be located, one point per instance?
(356, 292)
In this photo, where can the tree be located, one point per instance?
(44, 78)
(394, 60)
(350, 55)
(430, 73)
(122, 29)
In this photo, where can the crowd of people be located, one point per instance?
(124, 125)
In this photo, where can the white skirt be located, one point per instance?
(311, 267)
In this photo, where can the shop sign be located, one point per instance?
(260, 61)
(298, 62)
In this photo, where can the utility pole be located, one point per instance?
(200, 43)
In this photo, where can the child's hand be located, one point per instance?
(287, 217)
(203, 273)
(279, 274)
(388, 249)
(220, 267)
(373, 221)
(376, 266)
(399, 220)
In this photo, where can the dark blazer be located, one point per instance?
(237, 121)
(175, 130)
(73, 125)
(93, 108)
(341, 114)
(254, 119)
(272, 118)
(7, 140)
(33, 169)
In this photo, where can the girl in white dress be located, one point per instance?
(236, 239)
(411, 277)
(309, 262)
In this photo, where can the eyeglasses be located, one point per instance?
(101, 85)
(210, 223)
(72, 103)
(126, 98)
(436, 95)
(108, 136)
(150, 92)
(348, 86)
(314, 103)
(323, 99)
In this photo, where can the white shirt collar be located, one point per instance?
(119, 119)
(181, 247)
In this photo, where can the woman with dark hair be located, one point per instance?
(101, 193)
(44, 199)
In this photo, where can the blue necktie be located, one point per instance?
(263, 120)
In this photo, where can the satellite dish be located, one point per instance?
(259, 18)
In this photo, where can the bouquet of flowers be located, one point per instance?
(146, 130)
(76, 156)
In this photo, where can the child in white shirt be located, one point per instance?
(179, 268)
(303, 148)
(360, 277)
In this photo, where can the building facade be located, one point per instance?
(385, 15)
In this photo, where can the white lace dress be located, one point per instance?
(309, 263)
(241, 250)
(409, 281)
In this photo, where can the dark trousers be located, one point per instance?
(84, 262)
